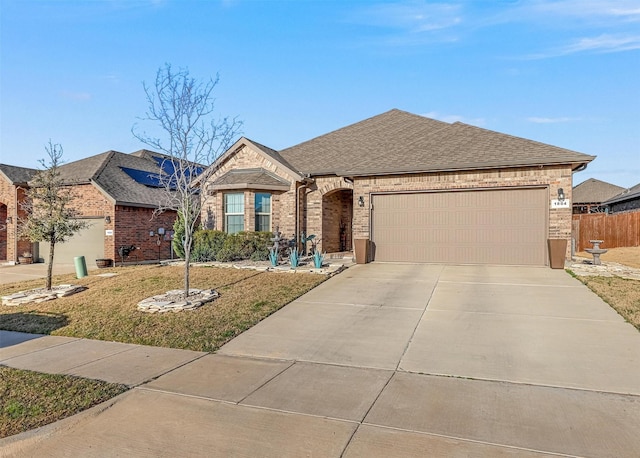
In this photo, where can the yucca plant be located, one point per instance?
(273, 256)
(294, 259)
(318, 259)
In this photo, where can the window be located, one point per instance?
(234, 212)
(263, 211)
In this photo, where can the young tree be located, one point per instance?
(48, 217)
(192, 139)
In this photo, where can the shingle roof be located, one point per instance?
(400, 142)
(105, 171)
(250, 178)
(594, 191)
(626, 194)
(17, 175)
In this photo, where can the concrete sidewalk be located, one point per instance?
(382, 360)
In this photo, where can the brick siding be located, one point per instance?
(332, 199)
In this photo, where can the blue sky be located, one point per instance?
(563, 72)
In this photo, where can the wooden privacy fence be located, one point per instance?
(617, 230)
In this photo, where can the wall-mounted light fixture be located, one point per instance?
(9, 220)
(107, 219)
(560, 194)
(361, 201)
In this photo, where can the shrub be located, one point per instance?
(207, 244)
(210, 245)
(178, 235)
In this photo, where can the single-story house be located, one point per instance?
(116, 194)
(588, 196)
(419, 189)
(626, 201)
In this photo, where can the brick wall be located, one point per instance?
(554, 177)
(132, 226)
(322, 207)
(10, 198)
(282, 203)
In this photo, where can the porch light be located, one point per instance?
(107, 219)
(9, 220)
(361, 201)
(560, 194)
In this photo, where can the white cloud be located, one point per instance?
(604, 43)
(591, 10)
(412, 22)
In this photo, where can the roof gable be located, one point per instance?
(627, 194)
(594, 191)
(269, 154)
(17, 175)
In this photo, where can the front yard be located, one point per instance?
(621, 294)
(107, 309)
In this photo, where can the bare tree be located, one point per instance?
(48, 217)
(192, 139)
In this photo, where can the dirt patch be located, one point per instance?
(628, 256)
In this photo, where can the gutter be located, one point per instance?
(352, 174)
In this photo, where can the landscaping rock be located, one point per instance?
(173, 301)
(41, 295)
(586, 268)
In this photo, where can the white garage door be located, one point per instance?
(88, 242)
(462, 227)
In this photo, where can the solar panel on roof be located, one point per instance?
(168, 167)
(150, 179)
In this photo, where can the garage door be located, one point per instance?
(88, 242)
(462, 227)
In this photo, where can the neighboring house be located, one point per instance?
(116, 194)
(588, 196)
(13, 184)
(627, 200)
(421, 190)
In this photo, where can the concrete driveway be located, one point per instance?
(394, 360)
(23, 272)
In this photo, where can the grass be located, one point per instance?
(107, 309)
(31, 399)
(621, 294)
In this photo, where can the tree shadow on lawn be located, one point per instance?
(33, 322)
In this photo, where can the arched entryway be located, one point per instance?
(337, 216)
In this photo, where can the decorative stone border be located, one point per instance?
(264, 266)
(586, 268)
(41, 295)
(172, 301)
